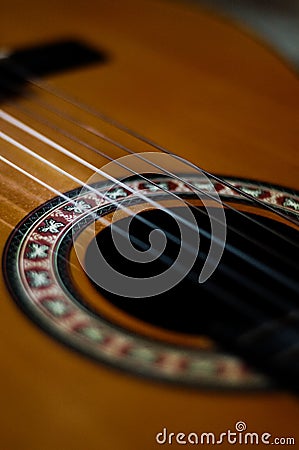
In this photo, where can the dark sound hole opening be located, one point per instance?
(238, 296)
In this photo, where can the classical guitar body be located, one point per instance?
(80, 369)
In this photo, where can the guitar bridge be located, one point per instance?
(18, 66)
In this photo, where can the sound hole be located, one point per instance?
(240, 293)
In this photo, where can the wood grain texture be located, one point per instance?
(199, 87)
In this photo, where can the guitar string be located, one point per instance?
(24, 127)
(250, 196)
(70, 199)
(265, 292)
(40, 136)
(286, 281)
(41, 120)
(58, 169)
(91, 130)
(65, 197)
(40, 182)
(73, 202)
(249, 311)
(15, 122)
(262, 320)
(46, 86)
(80, 182)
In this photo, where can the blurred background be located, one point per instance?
(275, 21)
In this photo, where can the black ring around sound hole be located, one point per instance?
(10, 259)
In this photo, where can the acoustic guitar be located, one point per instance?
(139, 137)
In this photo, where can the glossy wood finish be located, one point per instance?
(202, 88)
